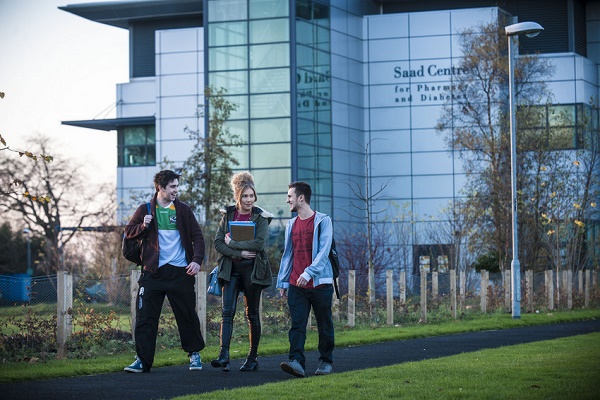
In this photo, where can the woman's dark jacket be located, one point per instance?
(261, 274)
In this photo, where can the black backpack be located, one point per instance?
(335, 264)
(132, 248)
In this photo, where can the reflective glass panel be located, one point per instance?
(228, 58)
(269, 55)
(268, 8)
(236, 82)
(270, 130)
(269, 30)
(227, 10)
(270, 80)
(227, 34)
(270, 155)
(270, 105)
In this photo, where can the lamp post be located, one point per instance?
(530, 29)
(28, 233)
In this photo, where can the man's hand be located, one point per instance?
(301, 282)
(192, 269)
(283, 292)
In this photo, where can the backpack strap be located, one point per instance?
(335, 284)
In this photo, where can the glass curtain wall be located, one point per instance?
(248, 45)
(313, 100)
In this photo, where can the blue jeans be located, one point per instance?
(300, 301)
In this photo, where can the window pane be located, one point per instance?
(151, 136)
(151, 155)
(228, 58)
(561, 115)
(270, 130)
(270, 105)
(241, 103)
(240, 153)
(269, 55)
(270, 30)
(135, 135)
(238, 128)
(270, 80)
(273, 181)
(227, 34)
(270, 155)
(562, 138)
(268, 8)
(227, 10)
(134, 156)
(236, 82)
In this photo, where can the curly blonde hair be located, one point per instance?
(239, 183)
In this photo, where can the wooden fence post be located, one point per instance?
(389, 287)
(483, 290)
(580, 282)
(64, 317)
(402, 286)
(351, 297)
(550, 289)
(586, 301)
(507, 299)
(453, 299)
(133, 290)
(463, 288)
(529, 284)
(423, 295)
(201, 278)
(569, 289)
(434, 285)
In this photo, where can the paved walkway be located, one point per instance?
(169, 382)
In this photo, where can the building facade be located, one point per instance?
(343, 94)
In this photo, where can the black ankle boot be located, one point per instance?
(251, 364)
(222, 361)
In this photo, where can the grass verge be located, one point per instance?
(273, 344)
(554, 369)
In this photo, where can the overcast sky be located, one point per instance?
(56, 66)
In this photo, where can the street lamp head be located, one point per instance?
(26, 231)
(529, 29)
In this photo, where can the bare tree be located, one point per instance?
(363, 207)
(66, 202)
(476, 125)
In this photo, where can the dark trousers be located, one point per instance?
(300, 301)
(241, 281)
(179, 289)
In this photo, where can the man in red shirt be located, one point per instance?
(306, 278)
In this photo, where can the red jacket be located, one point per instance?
(189, 230)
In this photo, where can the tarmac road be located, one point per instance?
(169, 382)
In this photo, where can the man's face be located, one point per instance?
(292, 200)
(169, 193)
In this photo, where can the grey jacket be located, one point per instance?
(261, 274)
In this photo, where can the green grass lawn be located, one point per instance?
(565, 368)
(277, 344)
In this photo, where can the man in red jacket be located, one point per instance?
(173, 250)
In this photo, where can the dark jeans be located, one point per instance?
(300, 301)
(241, 281)
(174, 283)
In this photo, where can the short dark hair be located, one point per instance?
(163, 178)
(302, 188)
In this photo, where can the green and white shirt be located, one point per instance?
(169, 241)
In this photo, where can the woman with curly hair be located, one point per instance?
(243, 267)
